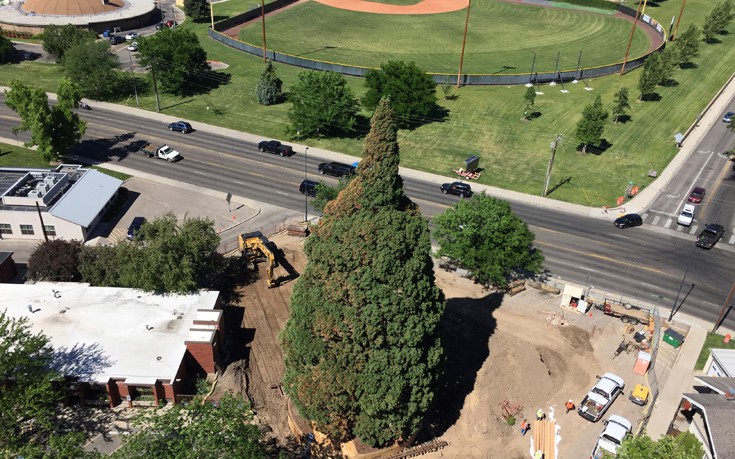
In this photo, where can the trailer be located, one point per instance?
(626, 312)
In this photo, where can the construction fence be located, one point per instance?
(230, 244)
(560, 76)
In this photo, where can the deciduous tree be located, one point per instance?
(487, 238)
(362, 346)
(54, 129)
(55, 261)
(669, 62)
(93, 67)
(685, 446)
(592, 124)
(688, 44)
(196, 430)
(322, 103)
(650, 76)
(620, 104)
(530, 98)
(57, 39)
(6, 50)
(177, 58)
(197, 9)
(269, 88)
(411, 90)
(718, 20)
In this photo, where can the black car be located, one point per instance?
(628, 220)
(460, 189)
(336, 169)
(308, 187)
(134, 227)
(181, 126)
(710, 235)
(116, 39)
(275, 147)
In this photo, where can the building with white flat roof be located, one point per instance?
(138, 346)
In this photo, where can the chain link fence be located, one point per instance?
(231, 244)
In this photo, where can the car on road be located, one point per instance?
(728, 117)
(308, 187)
(617, 428)
(132, 36)
(628, 220)
(181, 126)
(134, 227)
(133, 46)
(687, 215)
(336, 169)
(697, 195)
(275, 147)
(463, 190)
(710, 235)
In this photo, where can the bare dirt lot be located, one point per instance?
(499, 348)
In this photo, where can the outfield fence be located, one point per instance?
(560, 76)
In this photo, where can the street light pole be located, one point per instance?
(306, 193)
(132, 75)
(683, 279)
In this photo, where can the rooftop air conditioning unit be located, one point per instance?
(33, 194)
(41, 189)
(49, 180)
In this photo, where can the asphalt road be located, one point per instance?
(650, 263)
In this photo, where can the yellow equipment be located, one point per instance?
(254, 246)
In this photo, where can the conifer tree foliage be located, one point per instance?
(362, 347)
(269, 88)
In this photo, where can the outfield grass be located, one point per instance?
(502, 37)
(484, 120)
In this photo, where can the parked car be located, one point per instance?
(728, 117)
(463, 190)
(617, 428)
(181, 126)
(116, 39)
(628, 220)
(133, 46)
(710, 235)
(308, 187)
(601, 397)
(336, 169)
(275, 147)
(697, 195)
(687, 215)
(134, 227)
(132, 36)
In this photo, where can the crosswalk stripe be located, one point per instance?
(667, 225)
(694, 229)
(655, 220)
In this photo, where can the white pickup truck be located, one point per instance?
(162, 152)
(616, 429)
(600, 397)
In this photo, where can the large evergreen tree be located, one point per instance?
(269, 88)
(362, 346)
(650, 76)
(688, 44)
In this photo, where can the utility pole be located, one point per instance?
(155, 87)
(551, 162)
(262, 17)
(132, 75)
(464, 40)
(211, 13)
(681, 11)
(630, 40)
(725, 307)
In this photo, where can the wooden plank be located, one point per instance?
(544, 433)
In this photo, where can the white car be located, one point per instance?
(133, 46)
(687, 215)
(132, 36)
(616, 429)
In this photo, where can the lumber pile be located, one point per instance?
(543, 437)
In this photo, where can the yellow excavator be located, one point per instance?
(255, 246)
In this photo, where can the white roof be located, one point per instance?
(726, 359)
(100, 333)
(86, 198)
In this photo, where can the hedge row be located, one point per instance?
(17, 34)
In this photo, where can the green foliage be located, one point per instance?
(592, 124)
(165, 257)
(668, 447)
(688, 44)
(177, 58)
(6, 50)
(650, 76)
(57, 446)
(269, 89)
(196, 430)
(718, 20)
(92, 66)
(326, 193)
(530, 98)
(670, 60)
(620, 104)
(412, 92)
(57, 39)
(198, 10)
(486, 237)
(321, 104)
(55, 261)
(53, 128)
(362, 346)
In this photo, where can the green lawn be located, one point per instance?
(15, 156)
(484, 121)
(502, 37)
(713, 341)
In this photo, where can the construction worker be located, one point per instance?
(540, 415)
(539, 455)
(569, 406)
(524, 427)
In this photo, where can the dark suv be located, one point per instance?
(460, 189)
(336, 169)
(134, 227)
(181, 126)
(628, 220)
(116, 39)
(308, 187)
(710, 235)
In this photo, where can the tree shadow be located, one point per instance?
(106, 149)
(438, 114)
(465, 328)
(713, 41)
(598, 149)
(624, 119)
(535, 115)
(688, 65)
(669, 83)
(82, 360)
(205, 82)
(652, 97)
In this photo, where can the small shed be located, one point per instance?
(572, 298)
(7, 267)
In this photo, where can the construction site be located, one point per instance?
(506, 358)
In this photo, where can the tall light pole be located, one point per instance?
(132, 75)
(551, 163)
(630, 40)
(306, 192)
(464, 40)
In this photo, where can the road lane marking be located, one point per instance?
(655, 220)
(608, 259)
(732, 239)
(644, 216)
(239, 182)
(667, 225)
(693, 229)
(721, 178)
